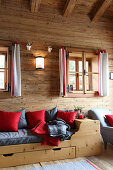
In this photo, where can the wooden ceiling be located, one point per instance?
(97, 7)
(57, 22)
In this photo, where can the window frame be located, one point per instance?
(84, 92)
(77, 59)
(6, 70)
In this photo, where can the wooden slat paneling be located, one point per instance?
(40, 90)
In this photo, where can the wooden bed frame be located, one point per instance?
(85, 142)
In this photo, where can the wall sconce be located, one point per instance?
(40, 62)
(49, 49)
(28, 46)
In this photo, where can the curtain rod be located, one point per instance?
(83, 48)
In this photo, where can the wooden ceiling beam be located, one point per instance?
(100, 11)
(35, 4)
(69, 6)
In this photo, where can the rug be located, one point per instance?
(81, 165)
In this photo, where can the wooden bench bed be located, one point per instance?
(85, 142)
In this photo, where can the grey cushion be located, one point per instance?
(22, 121)
(51, 114)
(23, 136)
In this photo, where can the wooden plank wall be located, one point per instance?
(40, 89)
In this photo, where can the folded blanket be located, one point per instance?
(52, 132)
(59, 128)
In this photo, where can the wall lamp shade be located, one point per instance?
(28, 46)
(40, 62)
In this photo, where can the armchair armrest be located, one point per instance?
(107, 134)
(108, 127)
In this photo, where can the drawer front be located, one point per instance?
(11, 159)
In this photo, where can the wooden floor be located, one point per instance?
(103, 161)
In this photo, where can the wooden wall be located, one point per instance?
(40, 89)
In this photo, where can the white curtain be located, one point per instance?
(62, 70)
(103, 75)
(16, 71)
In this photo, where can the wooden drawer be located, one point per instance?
(7, 160)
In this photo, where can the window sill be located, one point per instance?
(80, 94)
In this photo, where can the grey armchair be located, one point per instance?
(105, 128)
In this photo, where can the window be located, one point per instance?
(3, 69)
(75, 74)
(82, 72)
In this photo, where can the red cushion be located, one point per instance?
(9, 121)
(81, 116)
(68, 117)
(110, 119)
(34, 117)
